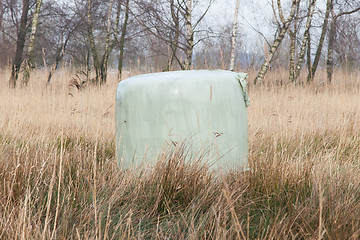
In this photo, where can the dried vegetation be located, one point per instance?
(59, 180)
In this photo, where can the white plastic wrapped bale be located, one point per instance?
(207, 109)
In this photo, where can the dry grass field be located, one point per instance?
(59, 179)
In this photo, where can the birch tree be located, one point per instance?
(191, 29)
(282, 31)
(308, 53)
(100, 63)
(2, 11)
(332, 36)
(29, 57)
(175, 42)
(177, 29)
(60, 52)
(96, 61)
(233, 36)
(189, 35)
(185, 8)
(306, 39)
(122, 37)
(292, 34)
(65, 24)
(314, 65)
(108, 48)
(20, 43)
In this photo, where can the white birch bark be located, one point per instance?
(233, 36)
(292, 35)
(305, 39)
(310, 77)
(30, 51)
(276, 44)
(189, 35)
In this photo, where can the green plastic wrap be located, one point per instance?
(207, 109)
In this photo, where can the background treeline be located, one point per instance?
(163, 35)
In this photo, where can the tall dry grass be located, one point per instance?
(59, 178)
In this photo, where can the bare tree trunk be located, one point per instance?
(276, 44)
(108, 48)
(174, 44)
(122, 40)
(311, 75)
(189, 35)
(59, 56)
(30, 51)
(332, 35)
(292, 35)
(305, 40)
(233, 36)
(88, 65)
(308, 54)
(94, 54)
(1, 15)
(160, 27)
(330, 57)
(20, 43)
(2, 30)
(101, 66)
(173, 48)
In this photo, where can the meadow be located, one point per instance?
(59, 178)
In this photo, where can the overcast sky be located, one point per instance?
(252, 14)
